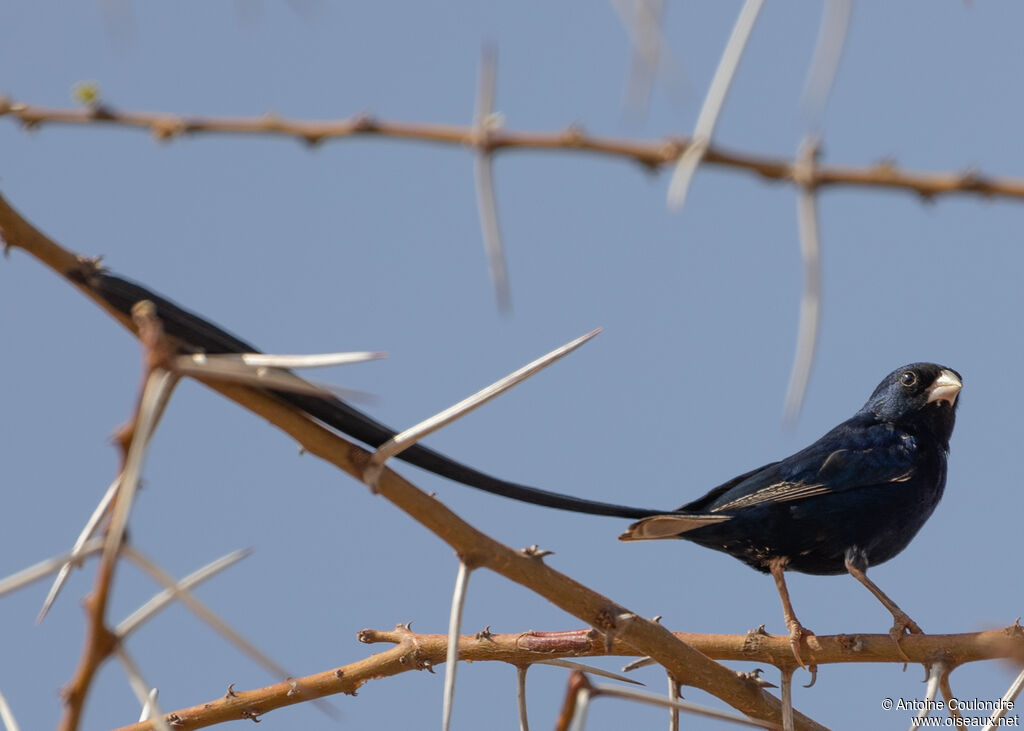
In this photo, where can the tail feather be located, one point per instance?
(669, 526)
(203, 335)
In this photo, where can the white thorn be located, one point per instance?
(45, 568)
(79, 545)
(452, 657)
(524, 723)
(165, 597)
(143, 691)
(407, 438)
(713, 103)
(7, 715)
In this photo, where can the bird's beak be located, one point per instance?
(945, 388)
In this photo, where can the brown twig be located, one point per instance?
(652, 154)
(415, 651)
(101, 642)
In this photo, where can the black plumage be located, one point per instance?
(853, 499)
(197, 334)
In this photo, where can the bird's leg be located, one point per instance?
(902, 623)
(797, 632)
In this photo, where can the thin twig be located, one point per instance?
(713, 103)
(529, 647)
(417, 651)
(651, 154)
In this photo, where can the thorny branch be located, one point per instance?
(415, 651)
(652, 154)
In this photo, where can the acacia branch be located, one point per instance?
(652, 154)
(475, 549)
(415, 651)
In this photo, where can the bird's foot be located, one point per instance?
(797, 634)
(902, 626)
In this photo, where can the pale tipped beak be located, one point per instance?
(945, 388)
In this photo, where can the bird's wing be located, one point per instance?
(704, 503)
(846, 461)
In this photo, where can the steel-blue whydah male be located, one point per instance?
(853, 499)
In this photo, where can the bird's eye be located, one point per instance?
(908, 378)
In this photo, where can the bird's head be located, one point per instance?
(924, 394)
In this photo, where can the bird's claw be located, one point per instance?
(902, 626)
(797, 634)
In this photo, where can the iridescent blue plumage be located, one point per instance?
(853, 499)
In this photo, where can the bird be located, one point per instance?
(855, 498)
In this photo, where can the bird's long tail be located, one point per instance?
(204, 336)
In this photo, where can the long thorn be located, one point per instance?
(452, 657)
(713, 103)
(208, 616)
(584, 668)
(483, 120)
(673, 695)
(787, 699)
(935, 673)
(150, 706)
(165, 597)
(1006, 703)
(810, 303)
(234, 370)
(159, 386)
(645, 696)
(218, 624)
(45, 568)
(314, 360)
(143, 691)
(828, 50)
(524, 722)
(7, 715)
(407, 438)
(77, 548)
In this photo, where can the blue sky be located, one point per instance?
(374, 244)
